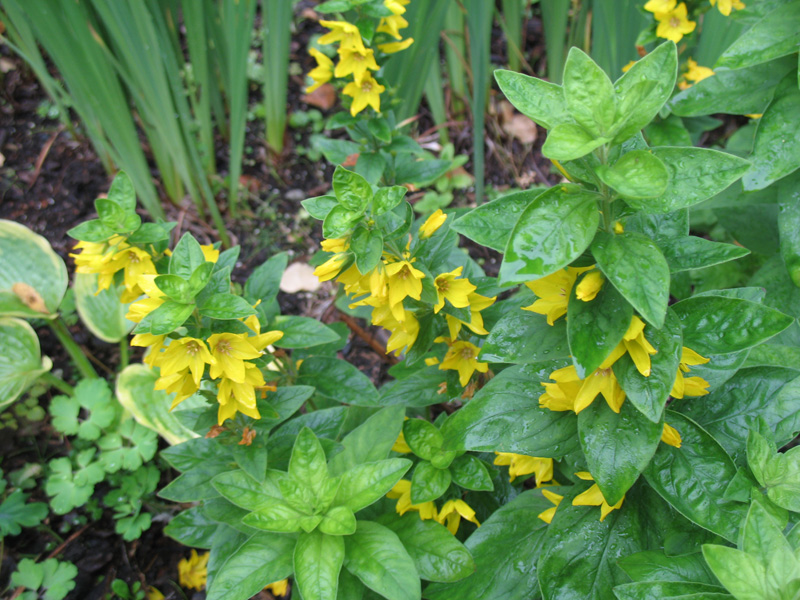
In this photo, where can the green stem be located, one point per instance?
(65, 337)
(56, 382)
(123, 353)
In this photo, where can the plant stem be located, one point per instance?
(56, 382)
(65, 337)
(123, 353)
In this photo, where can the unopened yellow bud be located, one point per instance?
(671, 436)
(432, 224)
(589, 286)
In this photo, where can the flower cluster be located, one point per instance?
(108, 258)
(450, 514)
(356, 59)
(394, 279)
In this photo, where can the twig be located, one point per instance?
(369, 339)
(42, 155)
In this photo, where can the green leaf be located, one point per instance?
(265, 281)
(339, 520)
(301, 332)
(551, 233)
(151, 233)
(70, 488)
(367, 483)
(339, 221)
(370, 166)
(165, 319)
(175, 287)
(762, 538)
(387, 198)
(277, 517)
(469, 472)
(122, 191)
(569, 568)
(419, 389)
(782, 479)
(643, 90)
(423, 438)
(655, 565)
(320, 206)
(776, 35)
(21, 361)
(717, 325)
(243, 490)
(589, 93)
(636, 267)
(377, 557)
(524, 337)
(115, 217)
(649, 394)
(338, 380)
(505, 548)
(352, 191)
(688, 253)
(637, 175)
(729, 411)
(371, 441)
(94, 396)
(617, 446)
(318, 559)
(335, 151)
(367, 245)
(504, 416)
(568, 141)
(27, 258)
(673, 474)
(226, 307)
(91, 231)
(789, 226)
(54, 576)
(540, 101)
(186, 257)
(428, 483)
(740, 574)
(777, 148)
(103, 313)
(491, 224)
(15, 513)
(308, 463)
(437, 554)
(670, 590)
(596, 327)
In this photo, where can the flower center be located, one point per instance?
(366, 87)
(192, 348)
(467, 354)
(443, 285)
(674, 22)
(132, 257)
(224, 347)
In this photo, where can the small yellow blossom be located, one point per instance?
(432, 360)
(331, 267)
(547, 515)
(553, 293)
(355, 62)
(181, 384)
(695, 73)
(637, 347)
(97, 258)
(193, 571)
(432, 224)
(365, 93)
(134, 262)
(660, 6)
(394, 47)
(572, 393)
(335, 245)
(462, 356)
(477, 303)
(594, 497)
(671, 436)
(392, 25)
(449, 287)
(689, 386)
(590, 286)
(210, 253)
(343, 32)
(520, 464)
(402, 493)
(230, 350)
(322, 73)
(185, 353)
(400, 445)
(404, 281)
(726, 6)
(618, 227)
(148, 340)
(153, 298)
(279, 588)
(453, 511)
(154, 594)
(234, 396)
(674, 24)
(627, 67)
(397, 7)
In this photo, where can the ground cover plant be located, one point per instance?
(608, 410)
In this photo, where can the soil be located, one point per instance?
(49, 177)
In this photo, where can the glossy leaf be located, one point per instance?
(364, 484)
(28, 262)
(226, 307)
(371, 441)
(387, 198)
(568, 141)
(637, 175)
(671, 590)
(717, 325)
(617, 447)
(308, 463)
(423, 438)
(245, 491)
(673, 473)
(689, 253)
(656, 565)
(469, 472)
(789, 225)
(21, 361)
(552, 232)
(504, 416)
(589, 93)
(649, 394)
(523, 337)
(338, 380)
(352, 191)
(192, 527)
(540, 101)
(339, 520)
(103, 313)
(776, 35)
(277, 517)
(505, 549)
(636, 267)
(596, 327)
(318, 559)
(264, 283)
(301, 332)
(428, 483)
(377, 557)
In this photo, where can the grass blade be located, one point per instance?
(278, 22)
(479, 26)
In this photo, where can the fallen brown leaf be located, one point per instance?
(323, 97)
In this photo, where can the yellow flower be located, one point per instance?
(572, 393)
(547, 515)
(152, 300)
(553, 293)
(637, 347)
(279, 588)
(589, 286)
(404, 281)
(398, 7)
(148, 340)
(322, 73)
(230, 350)
(98, 258)
(192, 571)
(365, 93)
(462, 356)
(185, 353)
(356, 62)
(689, 386)
(594, 497)
(402, 492)
(660, 6)
(432, 224)
(392, 26)
(331, 267)
(696, 72)
(455, 290)
(335, 245)
(673, 24)
(210, 253)
(234, 396)
(400, 444)
(343, 32)
(452, 513)
(393, 47)
(403, 332)
(154, 594)
(618, 228)
(181, 384)
(725, 6)
(671, 436)
(627, 67)
(477, 303)
(520, 464)
(134, 263)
